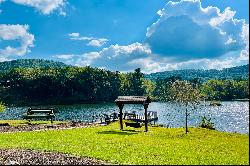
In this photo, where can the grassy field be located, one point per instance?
(158, 146)
(26, 122)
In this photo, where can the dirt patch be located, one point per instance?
(35, 127)
(30, 157)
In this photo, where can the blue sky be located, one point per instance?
(155, 35)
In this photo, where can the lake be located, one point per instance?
(232, 116)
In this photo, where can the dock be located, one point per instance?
(152, 116)
(133, 116)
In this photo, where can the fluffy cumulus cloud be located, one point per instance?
(15, 33)
(245, 36)
(186, 31)
(92, 41)
(44, 6)
(186, 35)
(114, 57)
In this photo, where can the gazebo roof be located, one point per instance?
(133, 100)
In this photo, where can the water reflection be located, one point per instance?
(230, 117)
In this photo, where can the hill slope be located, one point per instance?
(204, 75)
(29, 63)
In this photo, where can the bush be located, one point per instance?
(206, 123)
(2, 107)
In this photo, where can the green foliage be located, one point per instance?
(132, 83)
(36, 82)
(2, 107)
(161, 146)
(30, 63)
(226, 89)
(149, 87)
(211, 90)
(234, 73)
(163, 88)
(185, 93)
(67, 85)
(206, 123)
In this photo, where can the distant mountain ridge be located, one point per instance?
(30, 63)
(238, 72)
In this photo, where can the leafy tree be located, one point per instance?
(186, 95)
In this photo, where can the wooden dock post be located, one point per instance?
(146, 116)
(120, 108)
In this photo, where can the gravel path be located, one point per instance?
(45, 127)
(30, 157)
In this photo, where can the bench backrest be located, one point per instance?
(45, 111)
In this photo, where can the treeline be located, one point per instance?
(21, 86)
(69, 85)
(233, 73)
(30, 63)
(223, 90)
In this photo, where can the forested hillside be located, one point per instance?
(41, 82)
(29, 63)
(234, 73)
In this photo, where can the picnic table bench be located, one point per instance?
(39, 113)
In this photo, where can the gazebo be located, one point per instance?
(144, 100)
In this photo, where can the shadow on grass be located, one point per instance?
(122, 132)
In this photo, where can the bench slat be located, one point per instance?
(39, 113)
(41, 110)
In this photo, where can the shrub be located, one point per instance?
(206, 123)
(2, 107)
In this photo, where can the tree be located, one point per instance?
(163, 86)
(2, 107)
(186, 95)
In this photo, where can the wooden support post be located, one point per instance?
(120, 108)
(146, 117)
(186, 121)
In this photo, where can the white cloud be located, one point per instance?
(227, 15)
(97, 42)
(245, 36)
(74, 35)
(92, 41)
(87, 59)
(44, 6)
(114, 57)
(230, 41)
(15, 33)
(64, 56)
(185, 31)
(185, 36)
(154, 64)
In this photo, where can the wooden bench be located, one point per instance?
(133, 124)
(39, 113)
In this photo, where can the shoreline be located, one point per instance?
(96, 103)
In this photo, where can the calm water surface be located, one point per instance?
(230, 117)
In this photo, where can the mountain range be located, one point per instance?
(238, 72)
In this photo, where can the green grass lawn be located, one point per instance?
(26, 122)
(158, 146)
